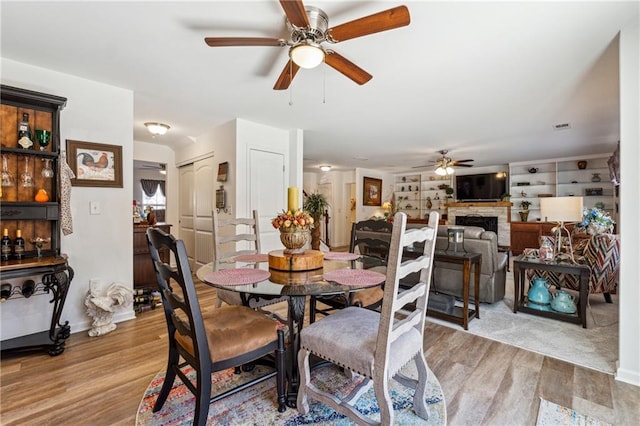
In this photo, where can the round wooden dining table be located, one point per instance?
(341, 273)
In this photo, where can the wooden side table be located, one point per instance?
(462, 315)
(520, 266)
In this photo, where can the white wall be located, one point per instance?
(629, 341)
(366, 212)
(101, 245)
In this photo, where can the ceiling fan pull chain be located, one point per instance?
(290, 81)
(324, 85)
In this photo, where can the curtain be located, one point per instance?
(150, 186)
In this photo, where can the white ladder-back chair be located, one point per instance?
(374, 344)
(250, 239)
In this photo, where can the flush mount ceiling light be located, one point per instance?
(325, 168)
(157, 128)
(307, 54)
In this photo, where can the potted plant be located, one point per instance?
(449, 191)
(524, 213)
(506, 197)
(315, 204)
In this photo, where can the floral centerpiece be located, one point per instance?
(595, 221)
(295, 229)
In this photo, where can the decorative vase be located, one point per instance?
(42, 196)
(539, 296)
(524, 215)
(294, 240)
(582, 164)
(596, 177)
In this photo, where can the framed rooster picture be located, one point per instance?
(95, 164)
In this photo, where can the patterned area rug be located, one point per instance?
(257, 405)
(550, 414)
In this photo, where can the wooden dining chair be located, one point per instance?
(370, 238)
(235, 237)
(221, 339)
(374, 344)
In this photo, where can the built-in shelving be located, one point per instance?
(532, 180)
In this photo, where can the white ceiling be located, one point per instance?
(485, 80)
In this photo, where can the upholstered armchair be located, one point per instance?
(601, 253)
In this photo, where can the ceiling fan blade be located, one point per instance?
(346, 67)
(422, 166)
(462, 161)
(381, 21)
(286, 76)
(463, 165)
(244, 41)
(294, 9)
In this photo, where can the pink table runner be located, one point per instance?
(355, 277)
(252, 258)
(335, 255)
(240, 276)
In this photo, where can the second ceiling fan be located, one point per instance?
(309, 29)
(444, 165)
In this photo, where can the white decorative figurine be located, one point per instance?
(101, 307)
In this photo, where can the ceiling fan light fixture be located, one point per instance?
(157, 129)
(444, 171)
(325, 168)
(307, 54)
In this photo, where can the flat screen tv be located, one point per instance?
(480, 187)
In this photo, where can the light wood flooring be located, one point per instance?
(100, 380)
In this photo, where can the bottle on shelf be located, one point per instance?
(28, 288)
(18, 245)
(5, 292)
(24, 132)
(6, 245)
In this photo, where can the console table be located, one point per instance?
(462, 315)
(520, 266)
(56, 277)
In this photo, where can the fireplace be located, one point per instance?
(476, 214)
(488, 223)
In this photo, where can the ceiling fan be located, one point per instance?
(309, 29)
(153, 166)
(445, 165)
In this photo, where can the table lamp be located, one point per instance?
(387, 209)
(561, 210)
(455, 237)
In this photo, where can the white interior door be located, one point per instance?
(197, 194)
(205, 172)
(267, 188)
(186, 230)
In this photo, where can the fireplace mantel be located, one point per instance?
(482, 204)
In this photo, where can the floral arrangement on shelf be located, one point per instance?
(288, 221)
(596, 221)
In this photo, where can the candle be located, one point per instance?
(293, 199)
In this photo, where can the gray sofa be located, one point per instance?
(447, 277)
(493, 270)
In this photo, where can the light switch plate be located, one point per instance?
(94, 207)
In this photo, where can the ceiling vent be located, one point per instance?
(562, 126)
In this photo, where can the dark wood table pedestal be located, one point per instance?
(462, 315)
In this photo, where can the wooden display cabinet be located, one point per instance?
(527, 234)
(19, 210)
(144, 275)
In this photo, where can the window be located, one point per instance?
(158, 201)
(153, 196)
